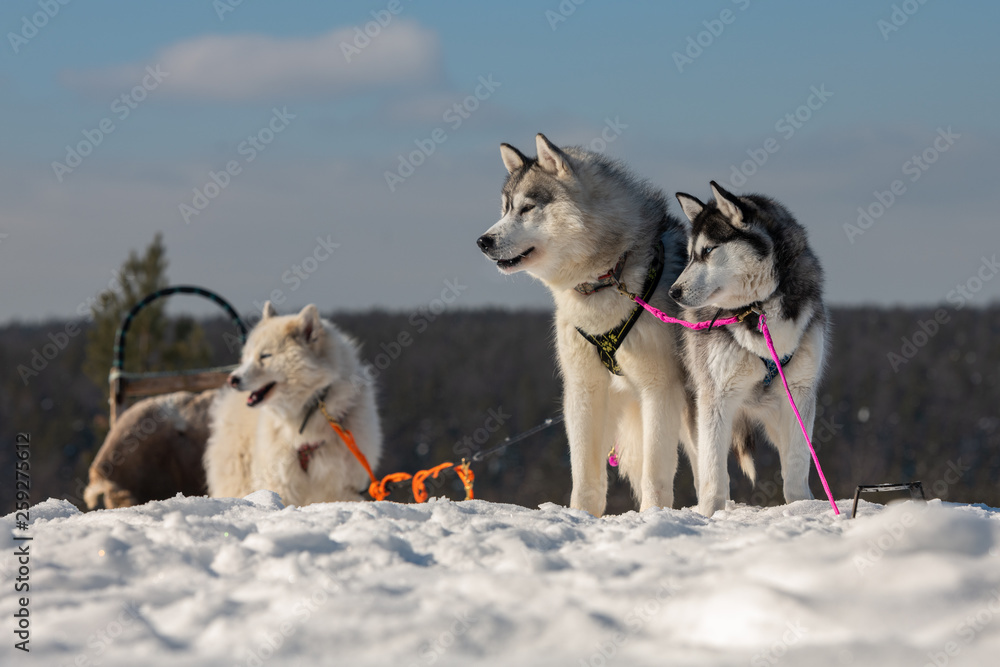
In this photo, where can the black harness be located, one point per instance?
(608, 342)
(772, 368)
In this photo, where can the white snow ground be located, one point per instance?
(198, 581)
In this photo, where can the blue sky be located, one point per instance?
(888, 96)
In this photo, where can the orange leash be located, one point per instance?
(377, 488)
(348, 439)
(419, 488)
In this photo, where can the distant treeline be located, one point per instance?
(908, 395)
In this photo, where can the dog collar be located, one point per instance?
(311, 408)
(305, 453)
(607, 280)
(608, 342)
(753, 310)
(752, 313)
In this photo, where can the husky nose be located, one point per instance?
(234, 381)
(486, 242)
(676, 292)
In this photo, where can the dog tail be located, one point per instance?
(743, 442)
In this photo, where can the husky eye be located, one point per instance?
(265, 355)
(705, 252)
(525, 209)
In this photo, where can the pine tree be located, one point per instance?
(154, 342)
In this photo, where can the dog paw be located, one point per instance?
(654, 500)
(590, 504)
(710, 506)
(797, 492)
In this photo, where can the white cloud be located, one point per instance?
(234, 68)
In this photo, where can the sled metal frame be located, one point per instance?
(916, 490)
(134, 385)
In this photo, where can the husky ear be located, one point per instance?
(551, 159)
(268, 311)
(691, 206)
(728, 204)
(309, 324)
(512, 158)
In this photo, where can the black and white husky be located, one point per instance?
(747, 255)
(578, 221)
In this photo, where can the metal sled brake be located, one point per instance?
(916, 490)
(128, 385)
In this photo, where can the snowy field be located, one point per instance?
(198, 581)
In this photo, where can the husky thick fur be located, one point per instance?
(568, 218)
(750, 252)
(287, 364)
(153, 452)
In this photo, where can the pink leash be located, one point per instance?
(762, 327)
(663, 317)
(770, 346)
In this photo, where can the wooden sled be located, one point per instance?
(135, 385)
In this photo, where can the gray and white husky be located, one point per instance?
(749, 253)
(578, 221)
